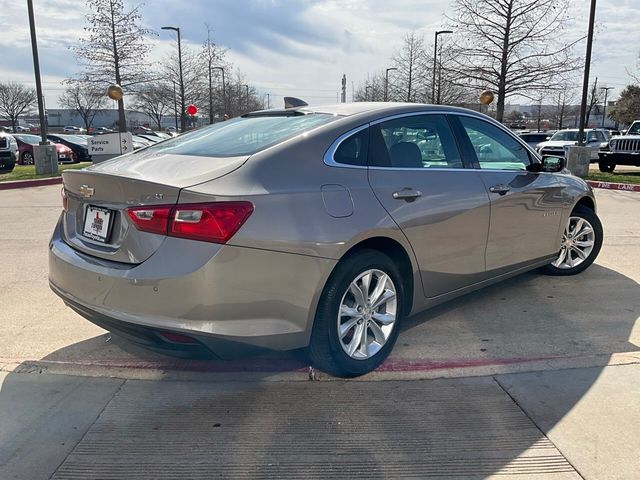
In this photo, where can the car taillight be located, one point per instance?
(207, 222)
(65, 200)
(150, 219)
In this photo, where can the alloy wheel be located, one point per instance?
(27, 158)
(577, 243)
(367, 314)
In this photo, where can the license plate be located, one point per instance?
(97, 223)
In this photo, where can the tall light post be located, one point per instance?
(606, 95)
(585, 81)
(224, 89)
(182, 105)
(247, 91)
(36, 69)
(435, 55)
(386, 82)
(175, 105)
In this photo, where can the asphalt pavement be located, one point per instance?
(539, 380)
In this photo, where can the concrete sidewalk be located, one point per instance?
(562, 425)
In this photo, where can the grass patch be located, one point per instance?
(622, 177)
(28, 172)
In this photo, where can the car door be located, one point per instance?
(526, 207)
(416, 172)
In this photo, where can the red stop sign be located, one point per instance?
(192, 109)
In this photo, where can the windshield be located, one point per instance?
(634, 129)
(566, 136)
(241, 136)
(74, 139)
(30, 139)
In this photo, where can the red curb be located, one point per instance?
(39, 182)
(627, 187)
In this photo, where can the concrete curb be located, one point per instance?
(626, 187)
(38, 182)
(286, 370)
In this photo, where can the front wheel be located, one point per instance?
(358, 316)
(581, 243)
(27, 158)
(606, 167)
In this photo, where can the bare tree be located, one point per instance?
(156, 100)
(593, 101)
(411, 62)
(194, 76)
(84, 99)
(212, 56)
(16, 99)
(512, 46)
(114, 48)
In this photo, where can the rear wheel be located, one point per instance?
(358, 316)
(581, 243)
(606, 167)
(27, 158)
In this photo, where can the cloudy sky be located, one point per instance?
(290, 47)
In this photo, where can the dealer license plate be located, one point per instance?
(97, 223)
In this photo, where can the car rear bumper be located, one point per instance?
(619, 158)
(217, 294)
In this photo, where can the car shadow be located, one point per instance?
(461, 428)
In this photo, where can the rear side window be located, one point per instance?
(240, 136)
(353, 150)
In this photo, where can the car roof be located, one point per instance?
(355, 108)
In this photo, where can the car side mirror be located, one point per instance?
(553, 164)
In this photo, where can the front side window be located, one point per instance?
(418, 141)
(494, 148)
(240, 136)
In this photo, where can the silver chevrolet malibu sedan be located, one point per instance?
(317, 227)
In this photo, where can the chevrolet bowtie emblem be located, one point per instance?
(86, 191)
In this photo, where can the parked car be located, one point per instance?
(621, 150)
(72, 129)
(151, 138)
(140, 142)
(102, 130)
(77, 144)
(25, 148)
(202, 243)
(22, 129)
(8, 153)
(561, 140)
(141, 129)
(534, 138)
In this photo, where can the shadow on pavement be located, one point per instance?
(461, 428)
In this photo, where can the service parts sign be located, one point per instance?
(111, 144)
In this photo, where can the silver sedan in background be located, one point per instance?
(317, 227)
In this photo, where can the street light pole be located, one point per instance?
(606, 94)
(435, 55)
(386, 82)
(224, 89)
(175, 105)
(366, 92)
(247, 90)
(182, 103)
(585, 81)
(36, 69)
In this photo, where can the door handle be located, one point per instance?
(501, 189)
(407, 194)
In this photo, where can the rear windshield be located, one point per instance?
(241, 136)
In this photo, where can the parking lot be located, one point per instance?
(549, 357)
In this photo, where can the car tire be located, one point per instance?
(27, 158)
(606, 167)
(588, 221)
(328, 351)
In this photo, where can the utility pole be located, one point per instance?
(606, 95)
(343, 97)
(175, 105)
(182, 100)
(587, 67)
(386, 82)
(435, 55)
(36, 69)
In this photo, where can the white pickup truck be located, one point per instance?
(8, 152)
